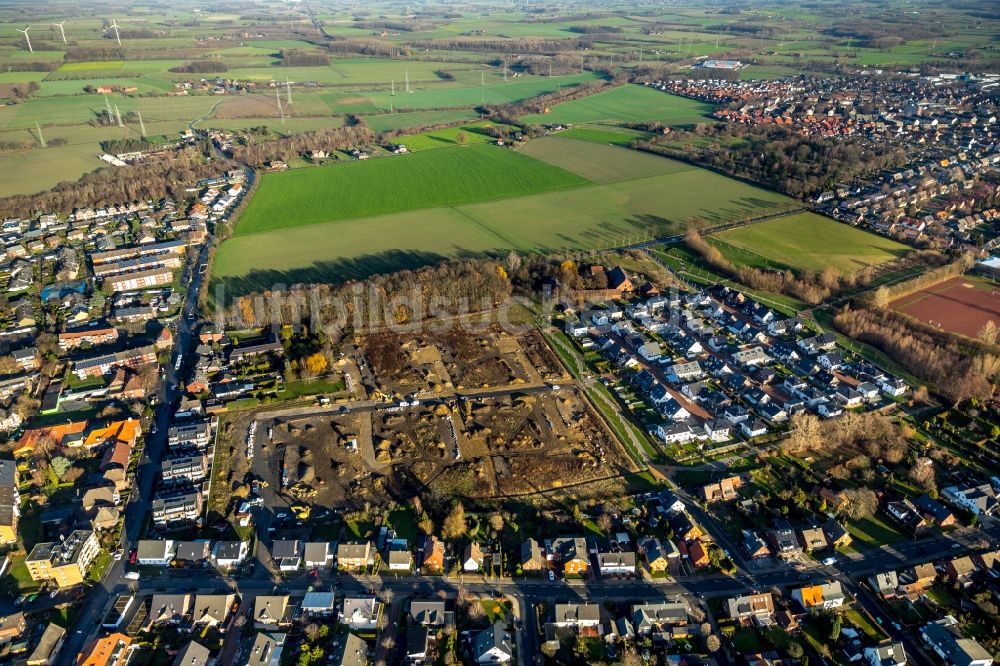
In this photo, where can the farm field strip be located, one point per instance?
(598, 162)
(627, 103)
(585, 217)
(807, 241)
(397, 184)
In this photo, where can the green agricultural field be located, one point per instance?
(386, 122)
(581, 218)
(618, 136)
(395, 184)
(37, 170)
(628, 103)
(806, 241)
(600, 163)
(444, 138)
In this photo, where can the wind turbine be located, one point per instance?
(114, 26)
(61, 31)
(25, 31)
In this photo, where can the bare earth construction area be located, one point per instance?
(959, 305)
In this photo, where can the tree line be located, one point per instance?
(776, 156)
(288, 147)
(448, 289)
(201, 67)
(959, 372)
(165, 176)
(301, 58)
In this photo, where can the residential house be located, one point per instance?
(168, 609)
(836, 534)
(433, 553)
(758, 608)
(657, 558)
(266, 649)
(272, 611)
(960, 570)
(684, 527)
(47, 650)
(571, 554)
(318, 604)
(361, 613)
(887, 654)
(649, 617)
(10, 501)
(532, 558)
(229, 554)
(885, 583)
(64, 563)
(12, 627)
(353, 653)
(472, 557)
(586, 616)
(192, 553)
(319, 554)
(399, 557)
(754, 546)
(980, 500)
(493, 646)
(943, 637)
(826, 596)
(934, 511)
(354, 555)
(193, 654)
(724, 490)
(428, 613)
(155, 552)
(913, 581)
(112, 650)
(616, 563)
(211, 610)
(812, 538)
(698, 554)
(287, 554)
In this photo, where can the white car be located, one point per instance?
(830, 561)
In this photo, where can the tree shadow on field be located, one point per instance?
(331, 272)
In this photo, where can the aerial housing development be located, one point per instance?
(568, 333)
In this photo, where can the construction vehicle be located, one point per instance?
(301, 512)
(381, 396)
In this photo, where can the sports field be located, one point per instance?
(578, 215)
(960, 305)
(806, 241)
(598, 162)
(429, 179)
(628, 103)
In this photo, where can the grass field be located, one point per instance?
(580, 218)
(385, 185)
(600, 163)
(618, 136)
(628, 103)
(807, 241)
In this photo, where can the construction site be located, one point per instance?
(487, 415)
